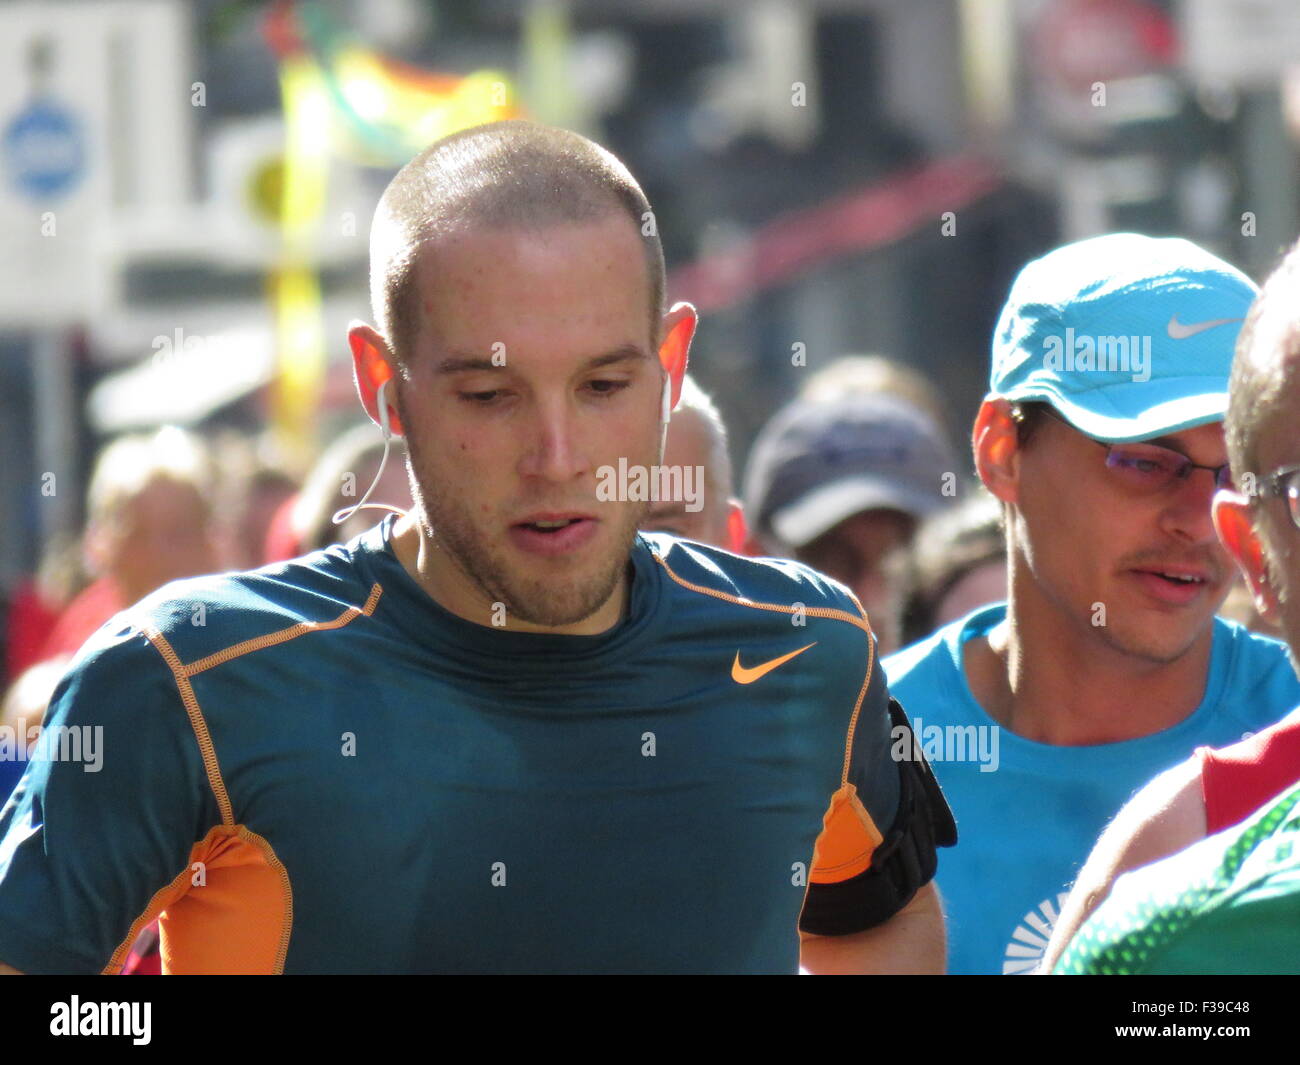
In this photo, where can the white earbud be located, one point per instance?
(383, 411)
(340, 516)
(665, 414)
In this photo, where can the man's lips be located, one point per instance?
(554, 516)
(1199, 574)
(1174, 584)
(549, 533)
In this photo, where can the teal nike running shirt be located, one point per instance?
(315, 768)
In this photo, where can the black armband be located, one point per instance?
(902, 863)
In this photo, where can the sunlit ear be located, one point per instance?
(674, 350)
(1233, 522)
(372, 365)
(995, 443)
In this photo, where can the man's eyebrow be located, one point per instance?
(458, 363)
(466, 363)
(619, 354)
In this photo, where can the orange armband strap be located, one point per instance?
(847, 893)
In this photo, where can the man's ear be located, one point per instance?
(995, 442)
(372, 365)
(1232, 521)
(674, 350)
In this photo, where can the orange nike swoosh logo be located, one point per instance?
(741, 675)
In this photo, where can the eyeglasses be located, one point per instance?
(1284, 483)
(1151, 468)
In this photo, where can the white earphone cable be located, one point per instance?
(340, 516)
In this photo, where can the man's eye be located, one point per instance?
(480, 397)
(1139, 463)
(607, 388)
(1142, 465)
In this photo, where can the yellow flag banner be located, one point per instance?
(294, 286)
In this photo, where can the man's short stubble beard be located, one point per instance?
(537, 601)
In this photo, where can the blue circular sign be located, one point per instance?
(44, 150)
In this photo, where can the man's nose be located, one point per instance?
(1188, 513)
(555, 451)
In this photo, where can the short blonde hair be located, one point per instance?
(128, 465)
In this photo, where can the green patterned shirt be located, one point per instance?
(1229, 904)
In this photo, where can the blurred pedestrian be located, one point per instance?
(149, 522)
(956, 563)
(697, 440)
(839, 484)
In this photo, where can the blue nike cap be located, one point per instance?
(1129, 337)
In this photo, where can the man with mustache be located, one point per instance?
(1245, 924)
(1101, 435)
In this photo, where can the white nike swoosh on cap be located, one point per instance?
(1181, 332)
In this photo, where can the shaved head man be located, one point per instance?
(469, 350)
(546, 742)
